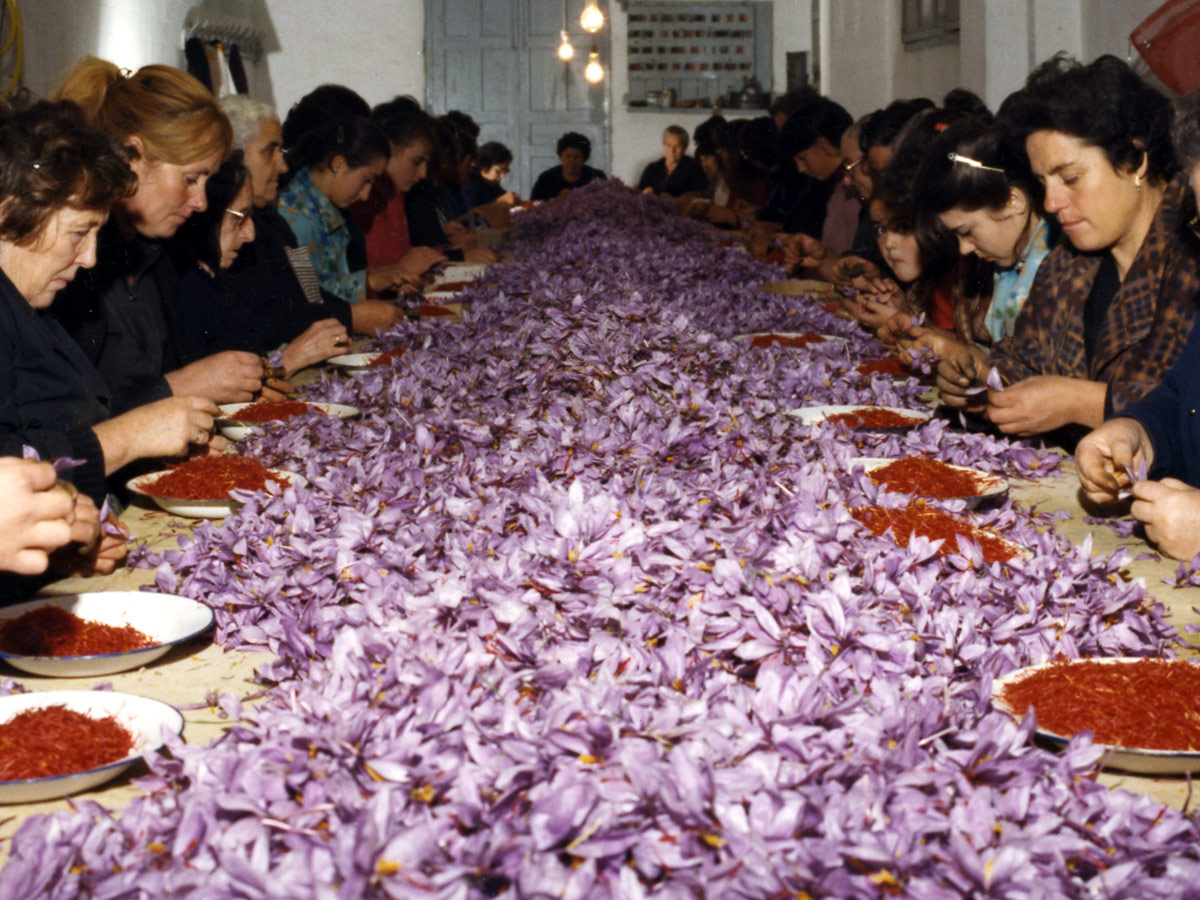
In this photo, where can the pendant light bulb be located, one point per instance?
(594, 73)
(592, 19)
(565, 50)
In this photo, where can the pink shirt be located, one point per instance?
(841, 220)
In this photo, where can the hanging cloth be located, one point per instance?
(238, 70)
(197, 61)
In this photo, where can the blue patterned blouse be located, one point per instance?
(1011, 285)
(320, 227)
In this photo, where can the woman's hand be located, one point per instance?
(1170, 510)
(163, 428)
(315, 344)
(802, 251)
(233, 376)
(1046, 402)
(36, 516)
(395, 276)
(420, 260)
(958, 372)
(910, 338)
(479, 255)
(1102, 456)
(856, 272)
(459, 235)
(372, 316)
(872, 310)
(92, 552)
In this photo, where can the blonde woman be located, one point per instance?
(174, 136)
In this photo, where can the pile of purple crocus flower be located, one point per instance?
(577, 610)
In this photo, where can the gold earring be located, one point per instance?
(1137, 181)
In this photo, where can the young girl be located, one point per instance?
(977, 183)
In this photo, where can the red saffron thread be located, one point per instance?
(927, 477)
(873, 417)
(1152, 704)
(432, 311)
(388, 357)
(890, 366)
(803, 340)
(932, 523)
(53, 631)
(272, 411)
(451, 287)
(212, 478)
(54, 740)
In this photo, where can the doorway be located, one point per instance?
(497, 60)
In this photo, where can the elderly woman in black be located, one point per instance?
(58, 181)
(212, 311)
(573, 151)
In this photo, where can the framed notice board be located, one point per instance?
(702, 51)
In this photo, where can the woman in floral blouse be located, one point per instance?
(1112, 304)
(336, 165)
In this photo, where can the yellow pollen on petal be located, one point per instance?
(386, 867)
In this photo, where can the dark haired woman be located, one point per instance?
(1160, 432)
(338, 163)
(676, 173)
(437, 215)
(976, 182)
(412, 139)
(483, 187)
(574, 150)
(211, 313)
(58, 181)
(1112, 304)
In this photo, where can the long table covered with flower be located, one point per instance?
(575, 609)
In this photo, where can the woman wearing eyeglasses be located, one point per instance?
(209, 313)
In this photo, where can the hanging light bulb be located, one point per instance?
(594, 72)
(592, 19)
(565, 50)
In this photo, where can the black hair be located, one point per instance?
(573, 139)
(404, 123)
(787, 105)
(759, 142)
(883, 126)
(707, 130)
(401, 104)
(1185, 130)
(896, 189)
(53, 159)
(1104, 104)
(823, 119)
(318, 108)
(965, 103)
(356, 139)
(463, 123)
(200, 235)
(943, 184)
(493, 153)
(706, 148)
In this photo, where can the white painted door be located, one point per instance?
(497, 60)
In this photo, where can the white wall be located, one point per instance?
(131, 33)
(377, 47)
